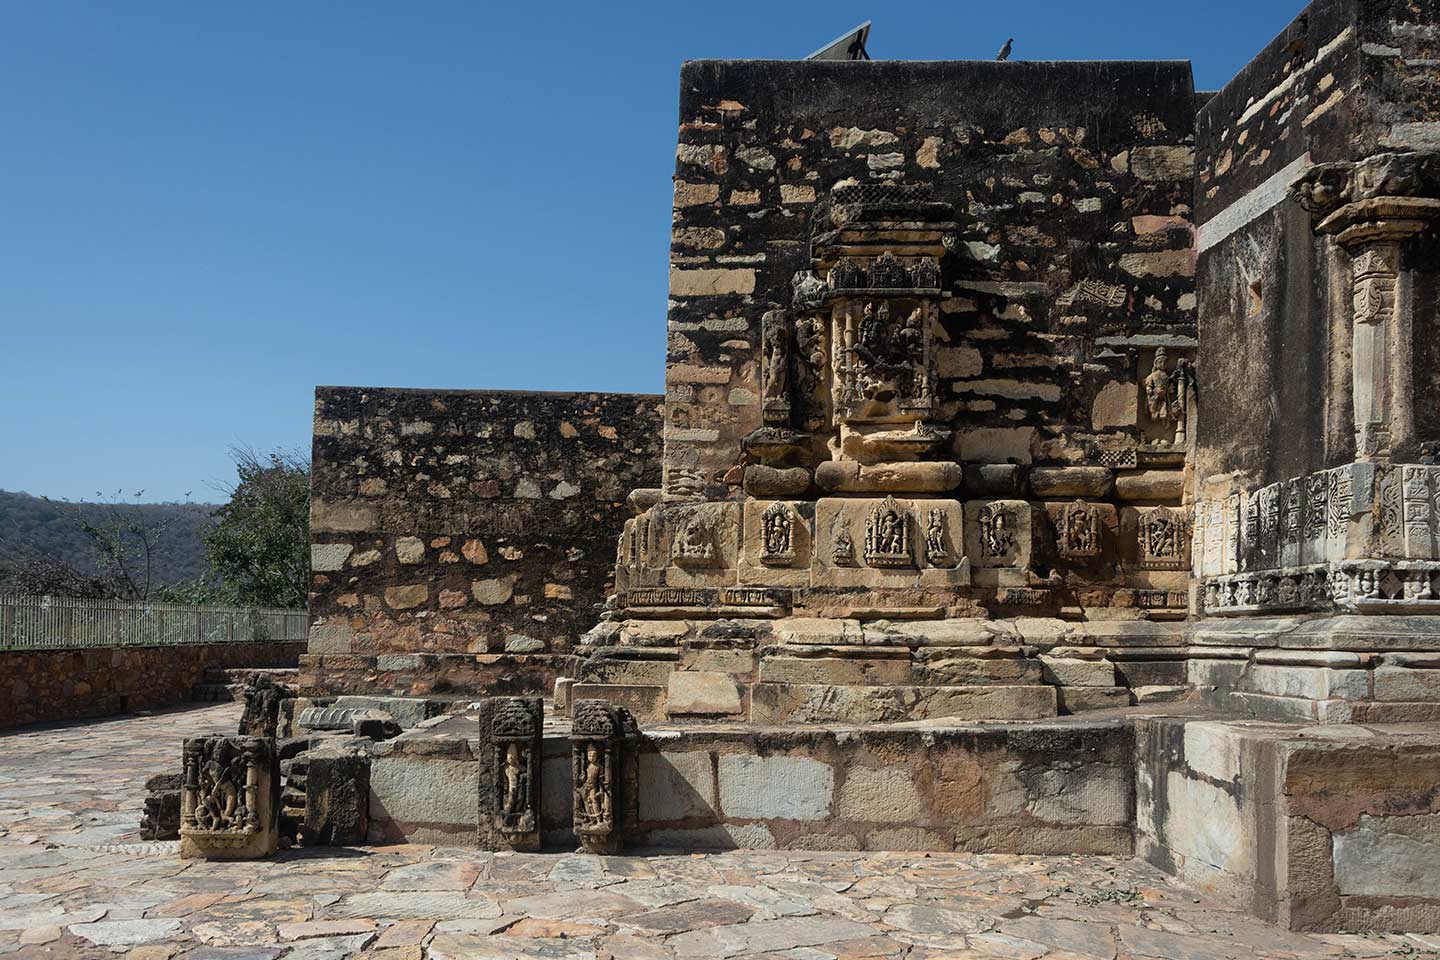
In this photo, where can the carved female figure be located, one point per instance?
(937, 551)
(996, 538)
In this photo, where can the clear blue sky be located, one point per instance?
(208, 208)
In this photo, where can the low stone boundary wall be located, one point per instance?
(46, 685)
(1064, 788)
(1323, 829)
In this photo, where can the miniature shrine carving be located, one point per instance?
(777, 534)
(887, 536)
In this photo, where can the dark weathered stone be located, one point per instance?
(262, 705)
(161, 819)
(337, 796)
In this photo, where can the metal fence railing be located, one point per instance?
(61, 623)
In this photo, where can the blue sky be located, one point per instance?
(206, 209)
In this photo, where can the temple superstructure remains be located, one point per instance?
(1049, 466)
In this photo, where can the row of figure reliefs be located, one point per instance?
(785, 542)
(1363, 586)
(1357, 510)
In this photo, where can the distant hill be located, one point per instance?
(31, 527)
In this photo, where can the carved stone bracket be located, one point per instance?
(510, 764)
(230, 798)
(598, 737)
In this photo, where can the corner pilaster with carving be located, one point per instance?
(1371, 208)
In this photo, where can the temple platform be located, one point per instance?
(1316, 827)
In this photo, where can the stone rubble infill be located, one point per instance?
(115, 896)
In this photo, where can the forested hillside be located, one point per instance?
(32, 528)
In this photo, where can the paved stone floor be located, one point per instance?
(75, 882)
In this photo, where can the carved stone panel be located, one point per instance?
(1420, 510)
(599, 737)
(998, 533)
(1078, 531)
(1163, 536)
(889, 542)
(888, 536)
(882, 359)
(230, 798)
(777, 542)
(510, 765)
(700, 543)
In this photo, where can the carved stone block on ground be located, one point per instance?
(230, 798)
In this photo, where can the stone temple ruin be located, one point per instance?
(1046, 465)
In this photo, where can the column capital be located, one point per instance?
(1385, 197)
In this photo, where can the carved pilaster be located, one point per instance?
(598, 738)
(1371, 208)
(510, 746)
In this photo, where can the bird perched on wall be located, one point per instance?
(1004, 53)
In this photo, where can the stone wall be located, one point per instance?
(463, 524)
(1312, 828)
(45, 685)
(1071, 254)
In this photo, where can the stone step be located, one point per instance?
(229, 675)
(217, 692)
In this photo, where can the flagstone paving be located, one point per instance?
(75, 882)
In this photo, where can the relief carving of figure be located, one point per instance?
(1080, 530)
(220, 800)
(1168, 394)
(777, 532)
(694, 543)
(887, 535)
(595, 742)
(937, 547)
(775, 334)
(1157, 388)
(809, 367)
(997, 538)
(593, 799)
(1162, 539)
(515, 804)
(843, 552)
